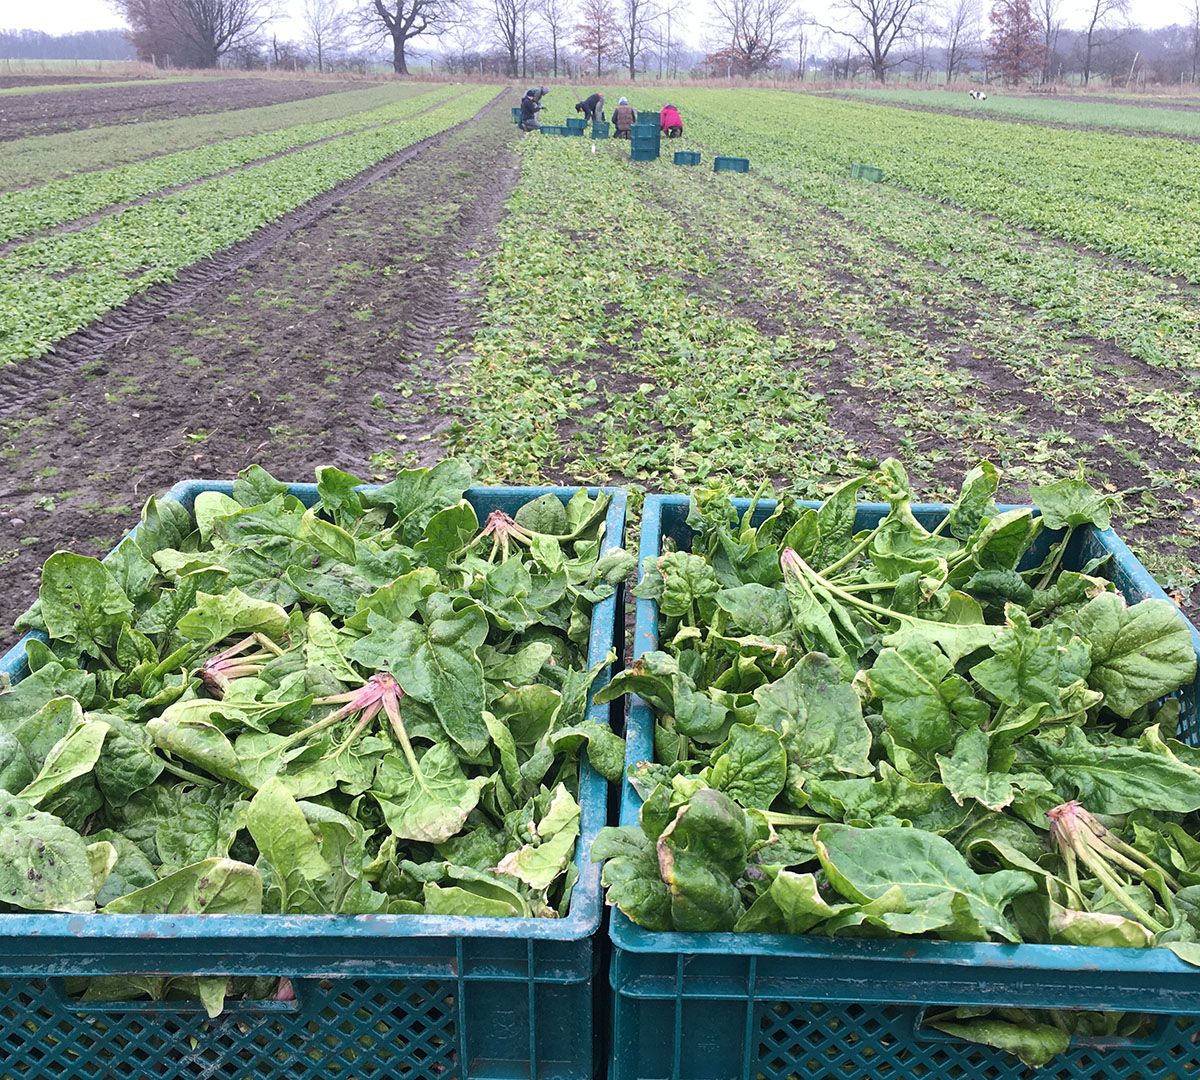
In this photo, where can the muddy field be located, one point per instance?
(70, 110)
(9, 81)
(317, 349)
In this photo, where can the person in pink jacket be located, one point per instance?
(669, 121)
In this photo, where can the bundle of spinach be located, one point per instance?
(901, 731)
(373, 705)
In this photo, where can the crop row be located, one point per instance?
(1138, 198)
(39, 158)
(1096, 114)
(58, 88)
(55, 285)
(29, 211)
(586, 366)
(762, 337)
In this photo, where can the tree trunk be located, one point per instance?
(399, 64)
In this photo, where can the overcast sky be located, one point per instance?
(64, 16)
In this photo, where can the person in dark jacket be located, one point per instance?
(670, 122)
(623, 118)
(529, 111)
(591, 107)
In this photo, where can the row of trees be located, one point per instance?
(922, 39)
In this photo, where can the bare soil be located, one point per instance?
(320, 346)
(8, 81)
(95, 106)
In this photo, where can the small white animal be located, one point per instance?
(978, 95)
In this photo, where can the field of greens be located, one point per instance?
(1074, 112)
(56, 284)
(380, 703)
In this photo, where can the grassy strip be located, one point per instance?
(25, 212)
(1093, 114)
(1063, 183)
(57, 285)
(594, 360)
(49, 157)
(58, 88)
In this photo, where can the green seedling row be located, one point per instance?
(26, 212)
(58, 88)
(39, 158)
(1137, 198)
(1096, 114)
(56, 285)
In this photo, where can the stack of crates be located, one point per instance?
(645, 142)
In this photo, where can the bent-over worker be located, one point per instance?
(670, 122)
(591, 107)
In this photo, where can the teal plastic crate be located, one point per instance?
(731, 164)
(687, 157)
(576, 123)
(858, 171)
(637, 153)
(516, 114)
(780, 1007)
(377, 996)
(601, 129)
(641, 129)
(573, 131)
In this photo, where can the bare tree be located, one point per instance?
(324, 30)
(403, 20)
(463, 38)
(1193, 12)
(509, 26)
(556, 15)
(757, 32)
(664, 34)
(1101, 11)
(961, 34)
(635, 24)
(878, 27)
(1047, 13)
(197, 32)
(599, 35)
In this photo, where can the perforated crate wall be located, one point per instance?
(798, 1040)
(336, 1029)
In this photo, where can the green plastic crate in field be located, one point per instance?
(858, 171)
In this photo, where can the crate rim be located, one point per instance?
(897, 954)
(55, 936)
